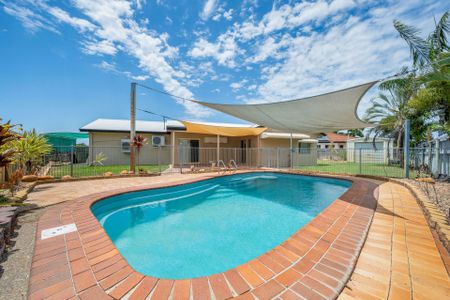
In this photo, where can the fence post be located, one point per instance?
(435, 167)
(159, 159)
(360, 160)
(71, 161)
(278, 158)
(406, 148)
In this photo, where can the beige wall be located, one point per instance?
(208, 151)
(109, 143)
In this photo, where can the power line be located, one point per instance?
(166, 93)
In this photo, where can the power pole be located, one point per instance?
(132, 126)
(406, 148)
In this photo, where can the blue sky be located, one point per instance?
(66, 63)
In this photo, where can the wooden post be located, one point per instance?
(132, 126)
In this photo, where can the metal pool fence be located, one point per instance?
(81, 161)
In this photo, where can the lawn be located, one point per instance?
(354, 168)
(80, 170)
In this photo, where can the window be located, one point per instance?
(304, 148)
(327, 146)
(125, 145)
(341, 146)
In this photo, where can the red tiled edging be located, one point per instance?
(314, 263)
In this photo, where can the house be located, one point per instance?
(375, 151)
(201, 143)
(333, 141)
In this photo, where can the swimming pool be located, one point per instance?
(207, 227)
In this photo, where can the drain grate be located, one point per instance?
(56, 231)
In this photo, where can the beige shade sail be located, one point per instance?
(222, 130)
(312, 115)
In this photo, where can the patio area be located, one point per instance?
(328, 258)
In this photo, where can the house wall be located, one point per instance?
(207, 153)
(336, 145)
(110, 144)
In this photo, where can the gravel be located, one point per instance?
(441, 197)
(15, 267)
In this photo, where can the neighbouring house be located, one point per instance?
(333, 141)
(201, 143)
(369, 151)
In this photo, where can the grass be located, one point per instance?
(82, 170)
(354, 168)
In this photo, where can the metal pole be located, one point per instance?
(218, 149)
(406, 148)
(132, 126)
(278, 158)
(290, 151)
(71, 161)
(172, 150)
(360, 160)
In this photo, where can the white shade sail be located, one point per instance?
(312, 115)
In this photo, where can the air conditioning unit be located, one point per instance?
(158, 140)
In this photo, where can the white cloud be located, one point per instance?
(228, 15)
(224, 51)
(63, 16)
(222, 13)
(283, 17)
(208, 8)
(238, 85)
(32, 21)
(115, 30)
(99, 47)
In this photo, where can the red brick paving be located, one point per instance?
(314, 263)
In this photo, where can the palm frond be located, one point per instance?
(418, 47)
(440, 33)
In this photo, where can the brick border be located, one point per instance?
(315, 262)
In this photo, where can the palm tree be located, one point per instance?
(389, 110)
(425, 52)
(431, 59)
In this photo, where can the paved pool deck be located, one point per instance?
(328, 258)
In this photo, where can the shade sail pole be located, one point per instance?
(406, 148)
(173, 150)
(132, 126)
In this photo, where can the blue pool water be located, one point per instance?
(211, 226)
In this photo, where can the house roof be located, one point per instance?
(120, 125)
(117, 125)
(338, 138)
(334, 138)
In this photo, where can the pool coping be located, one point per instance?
(315, 261)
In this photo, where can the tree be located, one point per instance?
(29, 150)
(430, 92)
(353, 132)
(7, 135)
(389, 110)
